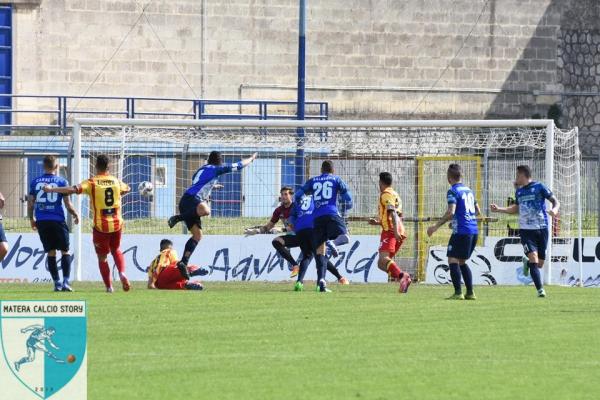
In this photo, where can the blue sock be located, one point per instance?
(303, 267)
(190, 246)
(467, 277)
(534, 271)
(455, 276)
(321, 267)
(65, 264)
(53, 269)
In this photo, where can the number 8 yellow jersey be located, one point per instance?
(105, 198)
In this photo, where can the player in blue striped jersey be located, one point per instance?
(328, 223)
(194, 202)
(46, 215)
(530, 203)
(462, 210)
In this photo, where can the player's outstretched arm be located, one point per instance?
(555, 206)
(512, 209)
(247, 161)
(61, 190)
(448, 215)
(71, 209)
(31, 328)
(30, 206)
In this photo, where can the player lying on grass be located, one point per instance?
(393, 232)
(463, 211)
(530, 204)
(328, 223)
(50, 221)
(284, 243)
(164, 274)
(193, 205)
(3, 240)
(105, 192)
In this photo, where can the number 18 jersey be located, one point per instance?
(105, 198)
(465, 216)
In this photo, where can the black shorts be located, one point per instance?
(54, 235)
(2, 234)
(187, 209)
(461, 246)
(535, 240)
(290, 241)
(328, 227)
(305, 239)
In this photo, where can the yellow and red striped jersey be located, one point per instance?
(166, 258)
(389, 200)
(105, 201)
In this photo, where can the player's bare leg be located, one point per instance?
(3, 250)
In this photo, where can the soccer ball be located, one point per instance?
(145, 188)
(70, 358)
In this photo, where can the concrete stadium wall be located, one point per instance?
(368, 58)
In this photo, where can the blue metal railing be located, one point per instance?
(42, 115)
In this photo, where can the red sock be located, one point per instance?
(119, 261)
(105, 272)
(394, 270)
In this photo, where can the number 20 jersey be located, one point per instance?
(105, 198)
(465, 217)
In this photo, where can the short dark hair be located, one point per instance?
(286, 189)
(165, 244)
(455, 172)
(525, 170)
(50, 162)
(327, 167)
(215, 158)
(385, 178)
(102, 162)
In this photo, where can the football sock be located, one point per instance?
(321, 266)
(455, 276)
(119, 261)
(105, 272)
(467, 277)
(53, 269)
(65, 264)
(190, 246)
(303, 268)
(393, 270)
(331, 268)
(284, 252)
(534, 271)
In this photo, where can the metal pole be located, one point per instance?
(550, 184)
(75, 179)
(579, 222)
(299, 170)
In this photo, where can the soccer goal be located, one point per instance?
(164, 154)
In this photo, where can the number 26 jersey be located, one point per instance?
(105, 198)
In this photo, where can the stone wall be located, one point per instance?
(368, 58)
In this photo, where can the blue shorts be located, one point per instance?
(54, 235)
(187, 209)
(535, 240)
(328, 227)
(2, 234)
(461, 246)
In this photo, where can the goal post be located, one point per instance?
(166, 152)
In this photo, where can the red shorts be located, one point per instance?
(170, 278)
(388, 243)
(106, 242)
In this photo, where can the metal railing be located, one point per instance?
(57, 112)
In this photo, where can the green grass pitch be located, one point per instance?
(264, 341)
